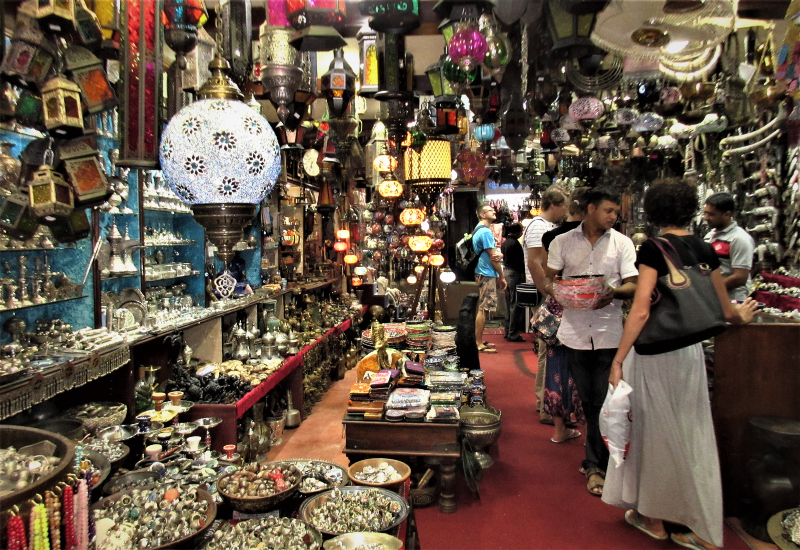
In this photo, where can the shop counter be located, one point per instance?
(426, 439)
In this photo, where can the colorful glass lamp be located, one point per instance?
(428, 170)
(315, 22)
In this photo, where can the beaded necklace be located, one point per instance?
(54, 516)
(15, 534)
(39, 533)
(82, 515)
(70, 543)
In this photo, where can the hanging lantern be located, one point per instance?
(236, 46)
(71, 228)
(467, 48)
(222, 158)
(436, 260)
(315, 22)
(84, 172)
(360, 271)
(140, 84)
(57, 15)
(343, 234)
(63, 115)
(87, 26)
(16, 217)
(384, 163)
(338, 85)
(180, 18)
(428, 170)
(515, 123)
(340, 246)
(395, 68)
(390, 188)
(197, 61)
(440, 85)
(368, 62)
(484, 132)
(411, 279)
(570, 31)
(356, 281)
(30, 56)
(325, 202)
(281, 73)
(419, 269)
(420, 243)
(412, 216)
(472, 170)
(108, 12)
(29, 110)
(391, 16)
(350, 259)
(50, 195)
(87, 72)
(447, 276)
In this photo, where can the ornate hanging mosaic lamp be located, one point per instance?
(428, 170)
(222, 158)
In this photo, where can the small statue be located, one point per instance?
(379, 341)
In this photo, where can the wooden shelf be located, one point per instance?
(43, 303)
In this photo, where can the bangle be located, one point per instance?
(617, 361)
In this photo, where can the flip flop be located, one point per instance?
(487, 350)
(634, 519)
(488, 344)
(572, 435)
(692, 543)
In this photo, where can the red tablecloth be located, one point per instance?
(289, 364)
(783, 303)
(782, 280)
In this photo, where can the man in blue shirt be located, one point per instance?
(488, 272)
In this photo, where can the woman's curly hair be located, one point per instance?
(670, 202)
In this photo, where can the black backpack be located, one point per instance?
(467, 258)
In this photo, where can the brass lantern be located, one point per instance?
(87, 26)
(236, 45)
(58, 15)
(428, 169)
(338, 85)
(28, 110)
(87, 72)
(72, 228)
(63, 115)
(50, 195)
(30, 56)
(84, 172)
(107, 12)
(197, 61)
(16, 217)
(315, 22)
(281, 72)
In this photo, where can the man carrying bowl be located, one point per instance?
(591, 325)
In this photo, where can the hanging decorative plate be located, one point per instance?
(587, 108)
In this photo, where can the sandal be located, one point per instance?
(692, 541)
(486, 349)
(487, 344)
(571, 435)
(597, 479)
(635, 520)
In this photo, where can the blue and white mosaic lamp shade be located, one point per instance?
(220, 151)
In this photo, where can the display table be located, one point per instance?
(427, 439)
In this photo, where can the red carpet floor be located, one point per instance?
(532, 498)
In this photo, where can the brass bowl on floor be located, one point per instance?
(401, 467)
(308, 507)
(352, 541)
(481, 426)
(254, 505)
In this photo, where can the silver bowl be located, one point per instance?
(481, 427)
(351, 541)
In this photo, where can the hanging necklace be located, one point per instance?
(15, 534)
(54, 515)
(69, 520)
(82, 515)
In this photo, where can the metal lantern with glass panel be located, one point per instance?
(338, 85)
(30, 55)
(316, 23)
(222, 158)
(84, 172)
(197, 61)
(87, 26)
(87, 72)
(181, 19)
(63, 115)
(395, 68)
(16, 217)
(570, 30)
(50, 195)
(445, 99)
(71, 228)
(58, 15)
(107, 12)
(236, 46)
(391, 16)
(368, 61)
(428, 170)
(281, 71)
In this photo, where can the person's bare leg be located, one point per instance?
(480, 323)
(560, 431)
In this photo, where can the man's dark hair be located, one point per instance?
(514, 229)
(670, 202)
(722, 202)
(596, 195)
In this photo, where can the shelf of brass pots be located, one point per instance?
(176, 243)
(192, 274)
(115, 277)
(42, 304)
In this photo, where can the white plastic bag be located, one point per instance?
(615, 421)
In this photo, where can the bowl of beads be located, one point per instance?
(379, 472)
(581, 294)
(259, 487)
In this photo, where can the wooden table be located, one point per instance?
(429, 439)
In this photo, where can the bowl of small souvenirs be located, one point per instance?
(379, 472)
(259, 487)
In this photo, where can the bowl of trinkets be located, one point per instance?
(259, 487)
(379, 472)
(354, 509)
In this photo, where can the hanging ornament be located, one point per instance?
(468, 48)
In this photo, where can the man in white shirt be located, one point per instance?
(554, 210)
(592, 337)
